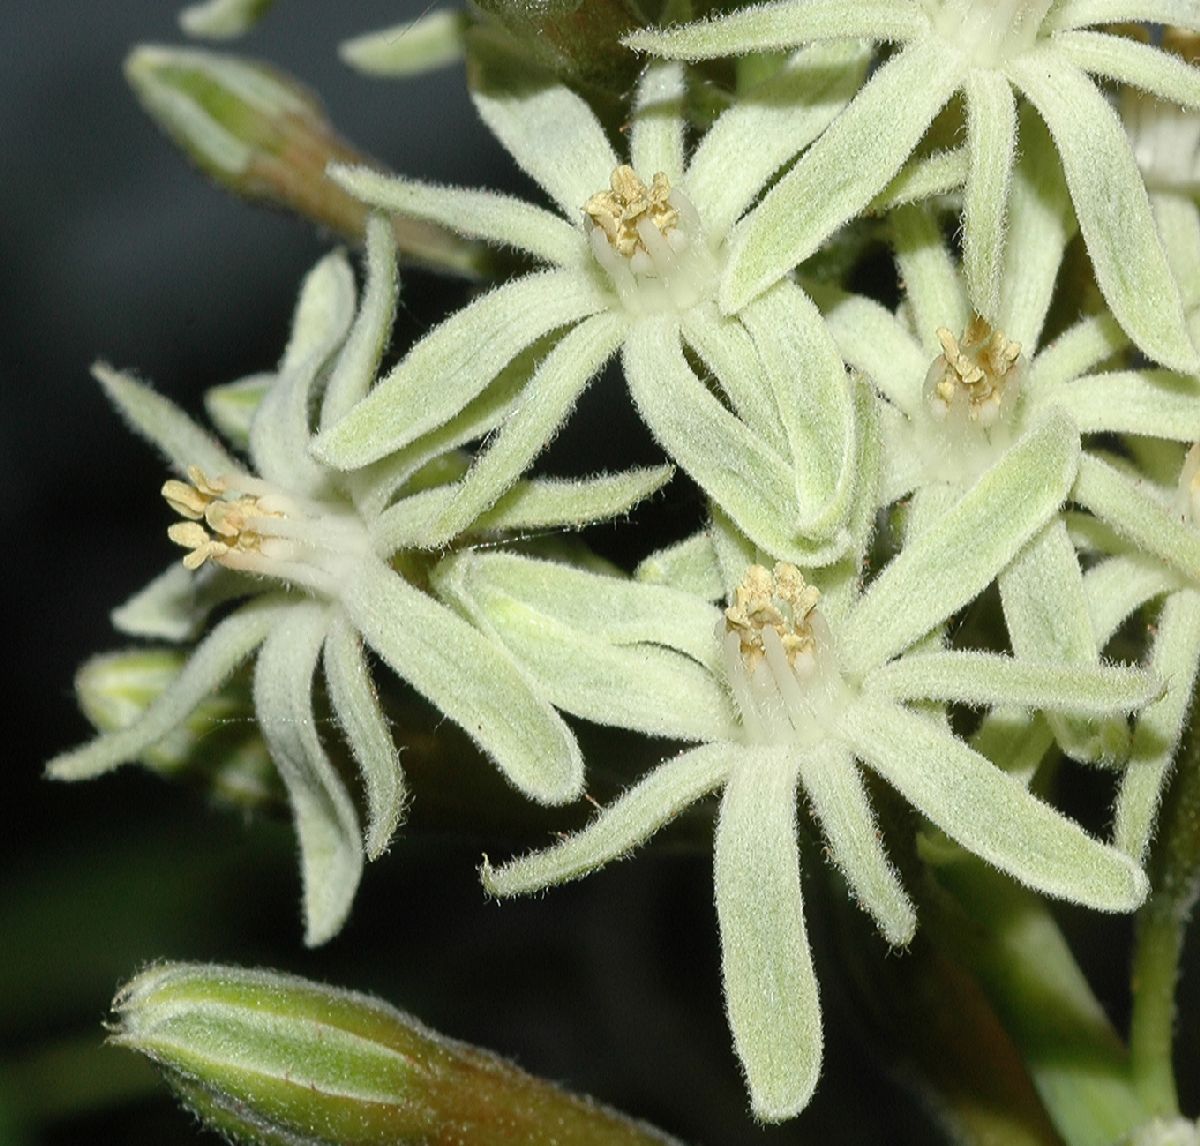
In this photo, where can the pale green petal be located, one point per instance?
(545, 404)
(453, 364)
(870, 339)
(734, 550)
(1137, 514)
(656, 137)
(933, 286)
(839, 801)
(222, 19)
(904, 468)
(548, 130)
(165, 425)
(1114, 212)
(1046, 613)
(977, 678)
(231, 407)
(326, 823)
(593, 605)
(362, 722)
(991, 149)
(282, 425)
(1117, 587)
(1077, 351)
(814, 399)
(725, 347)
(1156, 739)
(782, 116)
(1080, 13)
(750, 482)
(467, 678)
(175, 605)
(937, 174)
(1159, 403)
(1123, 59)
(770, 988)
(958, 556)
(618, 829)
(212, 662)
(989, 812)
(842, 172)
(563, 503)
(785, 24)
(689, 565)
(1015, 740)
(487, 215)
(1041, 222)
(412, 48)
(356, 366)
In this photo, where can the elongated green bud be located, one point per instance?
(258, 132)
(267, 1058)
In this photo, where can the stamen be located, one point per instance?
(978, 376)
(781, 602)
(648, 240)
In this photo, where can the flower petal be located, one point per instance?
(1156, 739)
(500, 219)
(841, 173)
(956, 558)
(991, 148)
(839, 801)
(872, 340)
(933, 286)
(783, 115)
(656, 137)
(547, 129)
(1080, 13)
(1114, 212)
(175, 605)
(326, 823)
(629, 821)
(164, 424)
(689, 565)
(454, 362)
(989, 812)
(977, 678)
(770, 987)
(1157, 403)
(785, 24)
(469, 679)
(1117, 587)
(1163, 74)
(212, 662)
(364, 725)
(356, 366)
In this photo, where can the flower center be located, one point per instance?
(988, 32)
(780, 659)
(246, 524)
(978, 377)
(649, 241)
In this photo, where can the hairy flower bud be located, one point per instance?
(266, 1058)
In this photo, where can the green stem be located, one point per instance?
(1175, 879)
(1008, 938)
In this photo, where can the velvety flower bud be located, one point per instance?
(271, 1058)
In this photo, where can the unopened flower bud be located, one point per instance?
(260, 133)
(264, 1058)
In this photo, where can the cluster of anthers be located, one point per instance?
(781, 603)
(646, 238)
(979, 374)
(779, 658)
(244, 523)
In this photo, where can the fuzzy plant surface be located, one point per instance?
(907, 295)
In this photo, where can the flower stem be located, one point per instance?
(1175, 879)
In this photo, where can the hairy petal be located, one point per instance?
(618, 829)
(1113, 210)
(989, 812)
(770, 987)
(326, 823)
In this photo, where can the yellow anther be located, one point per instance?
(205, 500)
(980, 367)
(618, 211)
(782, 601)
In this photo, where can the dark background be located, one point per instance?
(113, 247)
